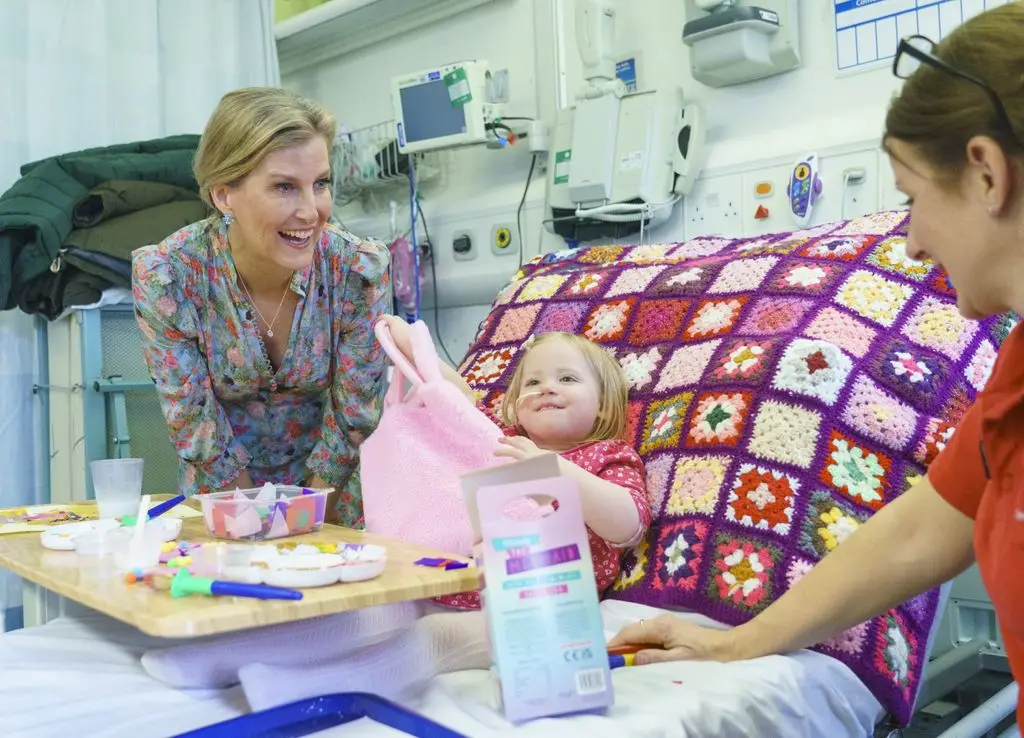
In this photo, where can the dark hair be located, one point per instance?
(938, 113)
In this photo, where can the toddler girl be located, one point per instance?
(567, 396)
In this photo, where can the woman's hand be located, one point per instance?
(673, 639)
(518, 448)
(401, 334)
(317, 482)
(242, 481)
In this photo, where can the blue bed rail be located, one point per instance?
(320, 713)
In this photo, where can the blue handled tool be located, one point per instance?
(617, 660)
(184, 584)
(129, 521)
(158, 510)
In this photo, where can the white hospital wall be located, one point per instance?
(811, 106)
(761, 127)
(755, 129)
(481, 187)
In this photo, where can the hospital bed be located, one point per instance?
(81, 672)
(82, 669)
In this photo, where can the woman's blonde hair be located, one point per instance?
(938, 113)
(250, 123)
(614, 390)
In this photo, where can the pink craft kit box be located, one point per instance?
(540, 599)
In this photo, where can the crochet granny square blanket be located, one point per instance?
(782, 389)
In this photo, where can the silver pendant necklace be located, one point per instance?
(272, 323)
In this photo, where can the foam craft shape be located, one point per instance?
(220, 528)
(278, 525)
(415, 495)
(248, 523)
(300, 513)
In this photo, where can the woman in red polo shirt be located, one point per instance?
(955, 139)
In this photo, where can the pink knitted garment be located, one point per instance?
(410, 465)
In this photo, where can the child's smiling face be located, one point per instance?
(560, 396)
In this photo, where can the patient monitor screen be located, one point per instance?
(429, 113)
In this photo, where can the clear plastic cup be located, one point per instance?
(146, 555)
(225, 561)
(117, 484)
(101, 543)
(209, 560)
(97, 551)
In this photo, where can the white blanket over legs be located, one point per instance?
(81, 676)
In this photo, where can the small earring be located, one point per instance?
(228, 218)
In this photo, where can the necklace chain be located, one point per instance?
(270, 325)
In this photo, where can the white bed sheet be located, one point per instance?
(80, 676)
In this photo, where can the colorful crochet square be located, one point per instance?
(782, 389)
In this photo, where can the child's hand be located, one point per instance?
(401, 334)
(478, 561)
(518, 448)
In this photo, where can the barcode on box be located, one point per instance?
(590, 681)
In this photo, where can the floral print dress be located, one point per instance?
(226, 409)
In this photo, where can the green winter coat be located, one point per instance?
(36, 213)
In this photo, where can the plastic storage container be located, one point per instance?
(273, 511)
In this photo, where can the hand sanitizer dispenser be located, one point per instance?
(732, 42)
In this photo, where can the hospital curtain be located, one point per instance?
(82, 73)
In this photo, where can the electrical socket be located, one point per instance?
(713, 207)
(504, 239)
(468, 255)
(851, 198)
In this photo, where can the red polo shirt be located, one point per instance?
(981, 474)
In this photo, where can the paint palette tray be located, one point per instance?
(62, 537)
(295, 567)
(272, 511)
